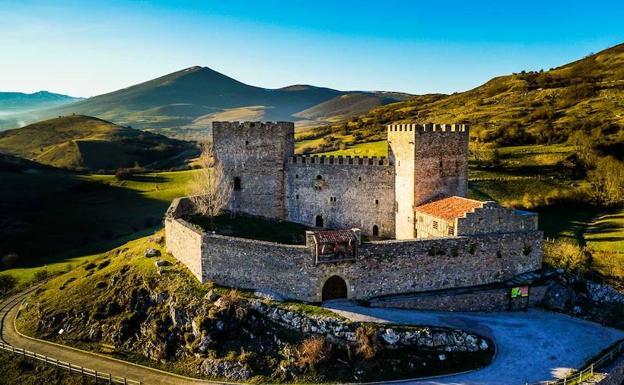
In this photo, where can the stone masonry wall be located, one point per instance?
(256, 153)
(382, 268)
(488, 300)
(351, 193)
(493, 217)
(185, 243)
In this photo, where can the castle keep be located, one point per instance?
(422, 233)
(375, 194)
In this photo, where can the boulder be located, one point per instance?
(390, 336)
(149, 253)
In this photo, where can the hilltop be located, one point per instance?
(84, 142)
(190, 99)
(523, 108)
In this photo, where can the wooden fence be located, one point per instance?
(105, 378)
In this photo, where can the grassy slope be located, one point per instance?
(71, 216)
(17, 370)
(586, 93)
(85, 142)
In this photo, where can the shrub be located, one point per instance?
(312, 351)
(367, 342)
(41, 275)
(7, 283)
(567, 255)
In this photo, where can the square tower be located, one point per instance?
(431, 162)
(254, 155)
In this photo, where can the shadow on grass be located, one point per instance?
(52, 216)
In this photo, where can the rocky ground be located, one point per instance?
(138, 304)
(584, 298)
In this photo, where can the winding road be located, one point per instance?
(531, 346)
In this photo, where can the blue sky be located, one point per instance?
(88, 48)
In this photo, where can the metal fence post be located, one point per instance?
(110, 378)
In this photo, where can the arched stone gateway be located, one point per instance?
(334, 288)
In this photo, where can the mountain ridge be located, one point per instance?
(188, 99)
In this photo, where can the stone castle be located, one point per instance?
(421, 232)
(383, 197)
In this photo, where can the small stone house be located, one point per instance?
(455, 216)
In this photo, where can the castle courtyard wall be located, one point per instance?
(382, 268)
(351, 192)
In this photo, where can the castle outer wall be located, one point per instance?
(381, 268)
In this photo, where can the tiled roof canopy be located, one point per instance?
(449, 208)
(334, 236)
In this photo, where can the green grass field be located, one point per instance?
(54, 220)
(378, 148)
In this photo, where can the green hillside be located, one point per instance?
(83, 142)
(523, 108)
(185, 101)
(344, 106)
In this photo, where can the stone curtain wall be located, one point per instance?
(255, 152)
(352, 192)
(185, 243)
(382, 268)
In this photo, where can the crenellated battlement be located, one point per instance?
(427, 127)
(341, 160)
(248, 125)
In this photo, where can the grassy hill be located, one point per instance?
(187, 100)
(51, 219)
(529, 107)
(83, 142)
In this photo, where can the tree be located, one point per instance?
(7, 283)
(607, 181)
(210, 188)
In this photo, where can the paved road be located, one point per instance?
(531, 346)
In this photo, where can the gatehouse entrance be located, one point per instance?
(334, 288)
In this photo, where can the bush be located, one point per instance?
(41, 275)
(7, 283)
(367, 343)
(567, 255)
(312, 351)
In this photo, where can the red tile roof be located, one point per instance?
(334, 236)
(449, 208)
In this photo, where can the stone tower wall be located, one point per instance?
(431, 162)
(255, 152)
(351, 192)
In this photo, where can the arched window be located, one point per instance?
(237, 183)
(319, 177)
(319, 221)
(375, 231)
